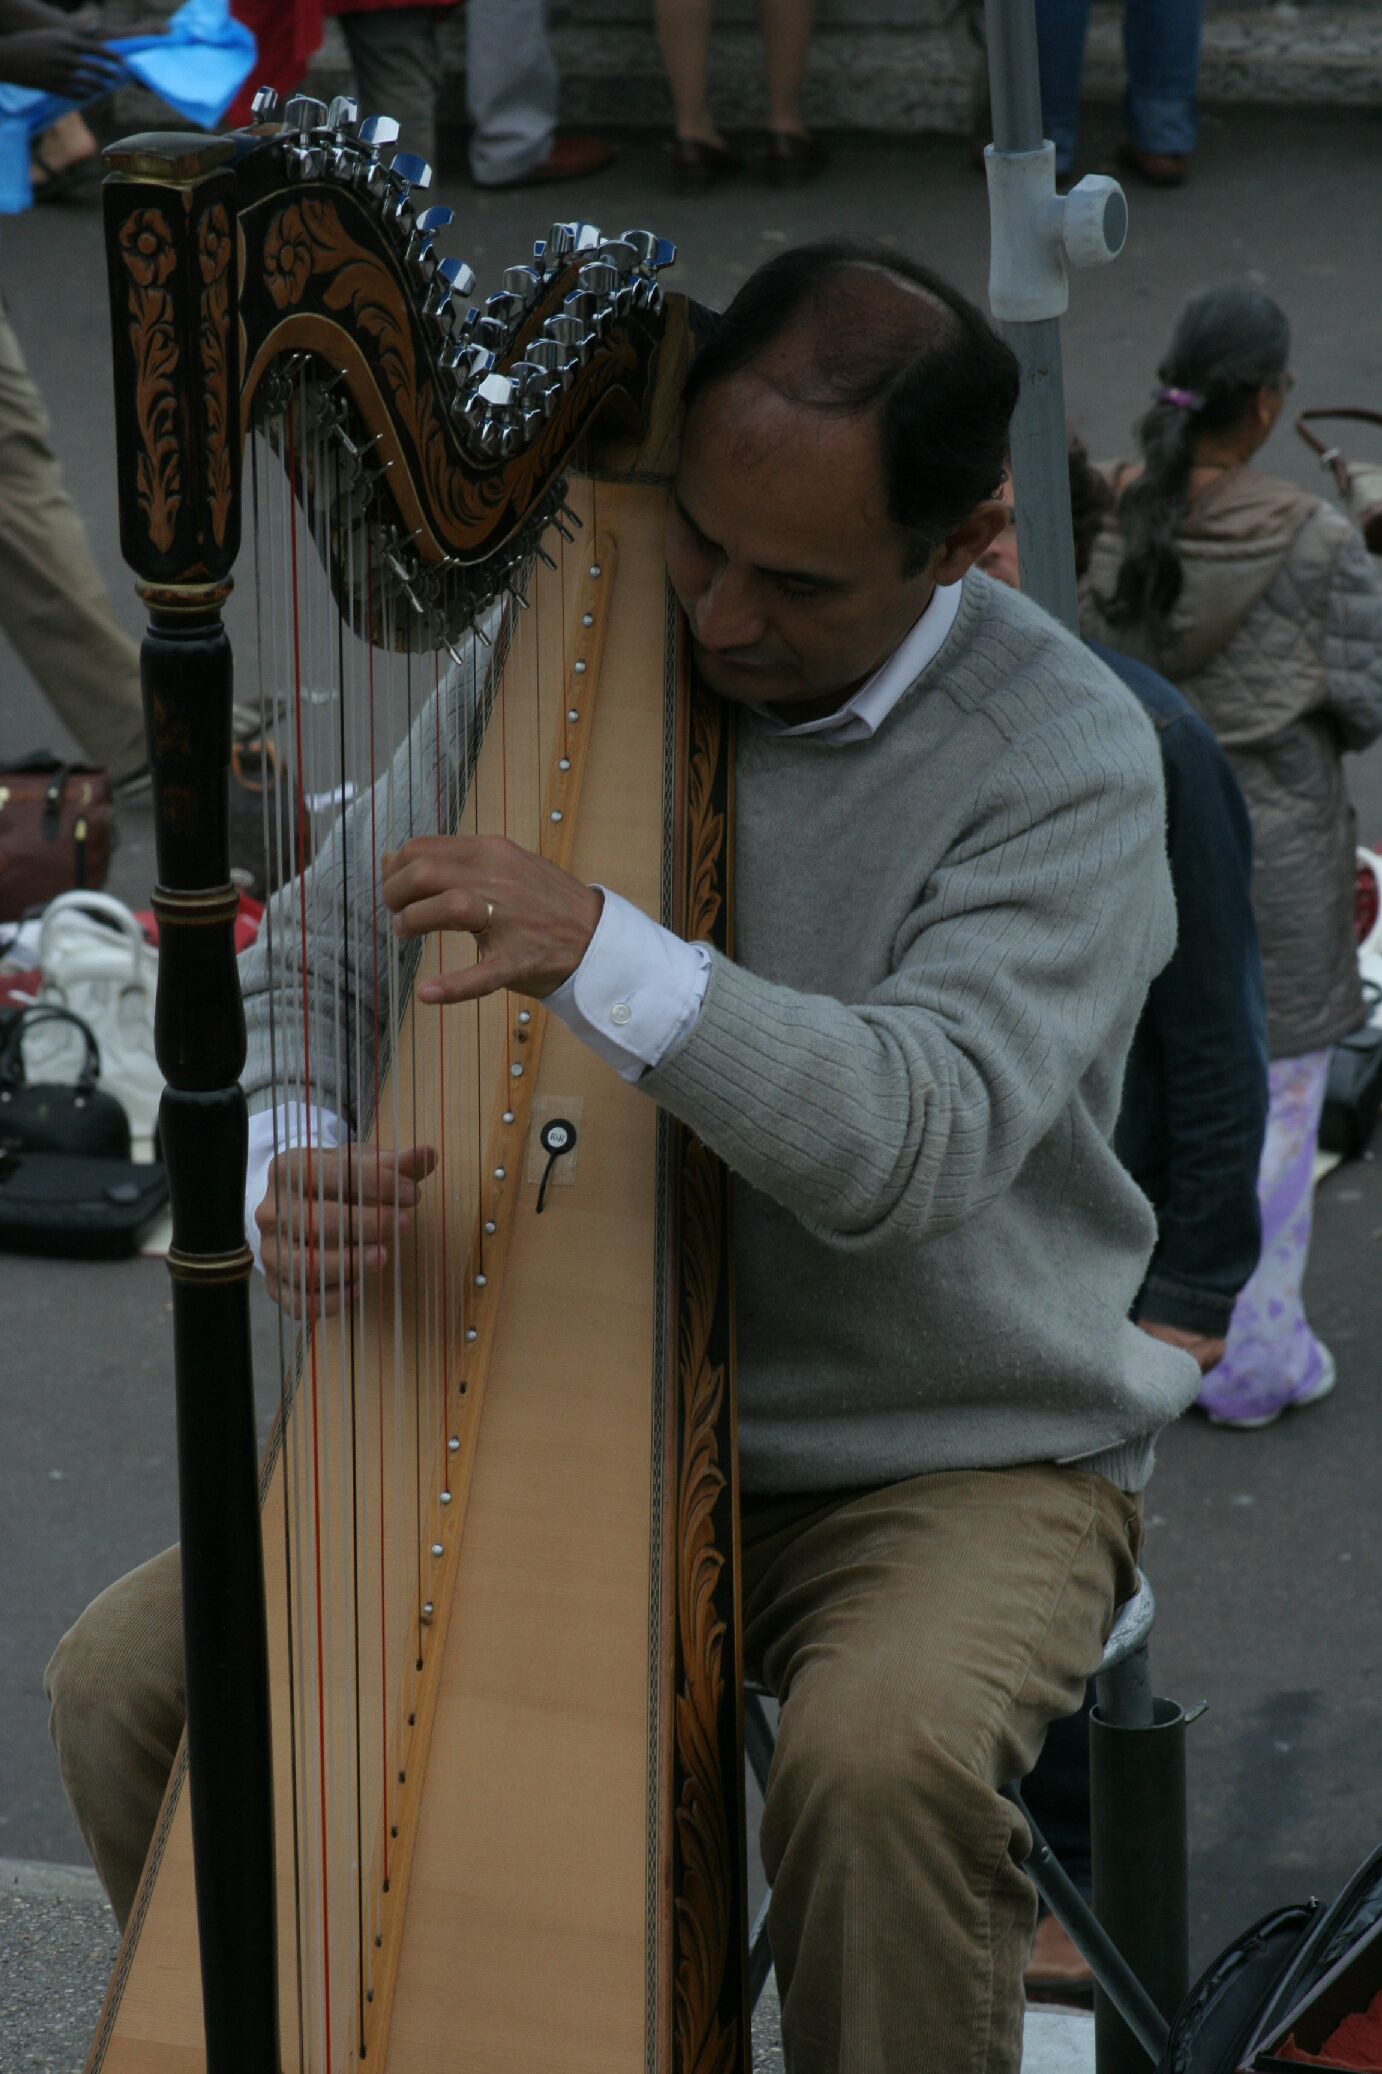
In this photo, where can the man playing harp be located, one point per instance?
(951, 894)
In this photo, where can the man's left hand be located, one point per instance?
(1208, 1351)
(532, 921)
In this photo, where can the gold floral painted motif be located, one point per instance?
(146, 247)
(213, 258)
(706, 1830)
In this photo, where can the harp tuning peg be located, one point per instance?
(653, 251)
(568, 329)
(586, 237)
(303, 113)
(264, 106)
(504, 308)
(342, 116)
(618, 253)
(457, 275)
(495, 391)
(560, 240)
(479, 362)
(434, 219)
(522, 281)
(599, 278)
(410, 171)
(552, 357)
(378, 132)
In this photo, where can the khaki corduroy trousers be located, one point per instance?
(920, 1638)
(53, 605)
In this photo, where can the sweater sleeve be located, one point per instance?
(1024, 958)
(1353, 644)
(325, 979)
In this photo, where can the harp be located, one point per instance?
(464, 1724)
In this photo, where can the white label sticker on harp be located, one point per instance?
(549, 1145)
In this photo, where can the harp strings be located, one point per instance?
(371, 742)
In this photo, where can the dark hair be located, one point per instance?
(1091, 501)
(934, 373)
(1227, 345)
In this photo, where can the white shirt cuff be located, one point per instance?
(273, 1131)
(636, 993)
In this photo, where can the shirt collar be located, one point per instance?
(864, 713)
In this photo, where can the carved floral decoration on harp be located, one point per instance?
(306, 241)
(705, 2044)
(706, 1835)
(213, 258)
(146, 246)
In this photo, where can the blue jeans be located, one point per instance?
(1161, 39)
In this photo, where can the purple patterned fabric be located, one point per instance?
(1273, 1359)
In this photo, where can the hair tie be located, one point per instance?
(1180, 399)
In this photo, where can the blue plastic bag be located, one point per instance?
(197, 66)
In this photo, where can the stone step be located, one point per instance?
(901, 66)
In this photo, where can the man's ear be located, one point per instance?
(962, 547)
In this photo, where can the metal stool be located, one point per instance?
(1137, 1932)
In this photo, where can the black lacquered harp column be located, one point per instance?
(170, 236)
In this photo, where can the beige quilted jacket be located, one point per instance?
(1277, 642)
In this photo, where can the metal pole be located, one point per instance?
(1137, 1793)
(1035, 234)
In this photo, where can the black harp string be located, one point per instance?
(328, 461)
(270, 783)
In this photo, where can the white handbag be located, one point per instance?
(95, 962)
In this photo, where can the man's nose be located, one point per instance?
(725, 615)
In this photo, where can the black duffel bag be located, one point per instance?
(68, 1207)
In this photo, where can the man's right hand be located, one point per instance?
(318, 1245)
(61, 60)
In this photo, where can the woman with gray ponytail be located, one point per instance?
(1262, 605)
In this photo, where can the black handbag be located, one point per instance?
(1353, 1091)
(55, 1116)
(72, 1208)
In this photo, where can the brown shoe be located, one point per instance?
(790, 157)
(695, 165)
(1055, 1971)
(571, 158)
(1157, 168)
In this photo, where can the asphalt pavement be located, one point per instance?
(1263, 1547)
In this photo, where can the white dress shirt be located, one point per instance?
(637, 992)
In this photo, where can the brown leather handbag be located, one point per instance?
(1359, 483)
(55, 832)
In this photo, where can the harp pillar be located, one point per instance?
(170, 212)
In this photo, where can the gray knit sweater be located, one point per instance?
(943, 940)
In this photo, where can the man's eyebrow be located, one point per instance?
(811, 576)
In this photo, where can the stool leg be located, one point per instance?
(1074, 1914)
(1137, 1810)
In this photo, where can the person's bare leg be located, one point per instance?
(786, 44)
(683, 31)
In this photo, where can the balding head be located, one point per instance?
(848, 329)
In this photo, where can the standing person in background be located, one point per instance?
(511, 98)
(1190, 1125)
(1262, 606)
(53, 605)
(1161, 40)
(395, 53)
(699, 154)
(511, 85)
